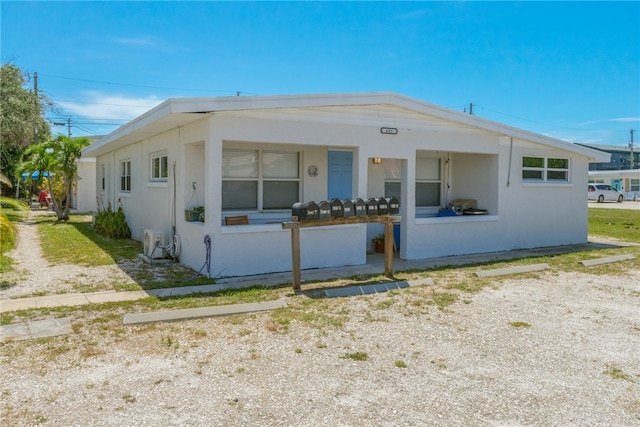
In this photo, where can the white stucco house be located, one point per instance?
(625, 180)
(257, 156)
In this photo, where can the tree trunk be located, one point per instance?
(57, 207)
(67, 204)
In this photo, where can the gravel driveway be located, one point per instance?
(543, 349)
(558, 349)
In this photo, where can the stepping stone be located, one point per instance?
(350, 291)
(512, 270)
(195, 313)
(606, 260)
(37, 329)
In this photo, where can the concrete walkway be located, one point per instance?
(375, 265)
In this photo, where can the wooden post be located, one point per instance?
(295, 258)
(295, 227)
(388, 248)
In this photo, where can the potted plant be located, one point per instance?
(200, 210)
(195, 214)
(378, 243)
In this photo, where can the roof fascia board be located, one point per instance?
(155, 114)
(240, 103)
(478, 122)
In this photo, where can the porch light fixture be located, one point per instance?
(377, 160)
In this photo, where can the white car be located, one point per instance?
(602, 192)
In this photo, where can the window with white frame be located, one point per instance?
(428, 181)
(159, 167)
(260, 179)
(635, 184)
(545, 169)
(125, 176)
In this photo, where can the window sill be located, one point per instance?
(547, 184)
(457, 219)
(273, 227)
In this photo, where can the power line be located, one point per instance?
(101, 103)
(525, 120)
(87, 120)
(237, 92)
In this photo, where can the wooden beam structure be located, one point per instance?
(294, 225)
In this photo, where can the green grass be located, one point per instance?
(622, 224)
(76, 242)
(359, 356)
(444, 299)
(11, 211)
(400, 364)
(520, 324)
(617, 373)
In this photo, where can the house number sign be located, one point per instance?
(389, 131)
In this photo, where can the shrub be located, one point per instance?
(112, 224)
(9, 211)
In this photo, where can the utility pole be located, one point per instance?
(67, 124)
(631, 148)
(470, 109)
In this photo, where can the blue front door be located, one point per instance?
(340, 175)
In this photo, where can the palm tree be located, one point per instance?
(58, 160)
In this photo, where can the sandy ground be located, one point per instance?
(544, 349)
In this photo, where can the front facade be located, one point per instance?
(257, 156)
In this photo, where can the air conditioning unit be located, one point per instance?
(154, 243)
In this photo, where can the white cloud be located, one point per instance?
(137, 41)
(99, 106)
(600, 136)
(616, 119)
(626, 119)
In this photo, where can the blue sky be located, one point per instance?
(568, 70)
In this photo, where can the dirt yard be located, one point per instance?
(560, 349)
(554, 349)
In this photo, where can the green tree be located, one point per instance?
(57, 159)
(21, 118)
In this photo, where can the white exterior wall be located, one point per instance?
(478, 164)
(545, 214)
(84, 199)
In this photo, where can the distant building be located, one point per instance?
(618, 171)
(620, 158)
